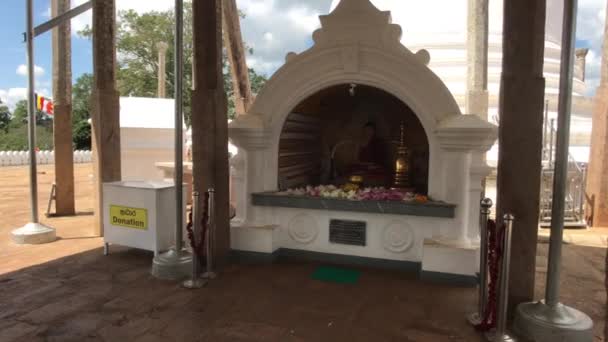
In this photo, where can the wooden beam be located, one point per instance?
(62, 118)
(209, 118)
(233, 40)
(520, 137)
(105, 99)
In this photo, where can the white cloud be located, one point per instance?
(22, 70)
(12, 95)
(275, 27)
(139, 6)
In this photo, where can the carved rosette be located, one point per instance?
(398, 237)
(303, 228)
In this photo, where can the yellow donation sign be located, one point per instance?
(136, 218)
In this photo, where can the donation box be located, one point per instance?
(140, 214)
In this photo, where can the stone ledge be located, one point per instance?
(429, 209)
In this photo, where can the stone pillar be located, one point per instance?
(520, 137)
(597, 182)
(476, 100)
(162, 67)
(105, 128)
(458, 166)
(209, 118)
(581, 62)
(62, 118)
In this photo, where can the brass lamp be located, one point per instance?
(401, 178)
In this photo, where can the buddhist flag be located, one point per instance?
(45, 105)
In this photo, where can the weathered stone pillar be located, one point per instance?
(581, 62)
(209, 118)
(62, 118)
(476, 100)
(597, 182)
(162, 69)
(243, 98)
(520, 137)
(105, 99)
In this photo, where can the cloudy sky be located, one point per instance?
(271, 27)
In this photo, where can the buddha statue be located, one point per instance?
(369, 167)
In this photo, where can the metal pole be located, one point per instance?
(486, 204)
(501, 323)
(561, 153)
(195, 282)
(545, 124)
(179, 119)
(210, 236)
(173, 264)
(476, 318)
(582, 190)
(551, 130)
(31, 111)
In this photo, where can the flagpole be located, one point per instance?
(176, 263)
(33, 232)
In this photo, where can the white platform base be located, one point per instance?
(33, 234)
(254, 239)
(449, 258)
(446, 261)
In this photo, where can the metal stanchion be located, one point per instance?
(210, 236)
(195, 282)
(500, 334)
(477, 317)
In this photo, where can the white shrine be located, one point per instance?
(283, 137)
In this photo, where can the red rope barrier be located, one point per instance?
(496, 237)
(199, 249)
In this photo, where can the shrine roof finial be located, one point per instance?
(357, 20)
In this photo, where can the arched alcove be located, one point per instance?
(328, 137)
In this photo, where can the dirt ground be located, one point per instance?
(68, 291)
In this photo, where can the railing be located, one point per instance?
(13, 158)
(577, 178)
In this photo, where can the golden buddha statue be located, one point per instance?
(401, 178)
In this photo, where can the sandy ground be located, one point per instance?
(68, 291)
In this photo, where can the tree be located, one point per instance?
(20, 116)
(136, 39)
(81, 111)
(14, 137)
(5, 117)
(81, 98)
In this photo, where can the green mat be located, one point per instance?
(336, 275)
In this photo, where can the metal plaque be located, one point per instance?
(347, 232)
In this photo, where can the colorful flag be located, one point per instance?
(43, 104)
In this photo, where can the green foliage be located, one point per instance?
(136, 42)
(81, 135)
(81, 98)
(5, 117)
(19, 114)
(19, 117)
(15, 138)
(81, 112)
